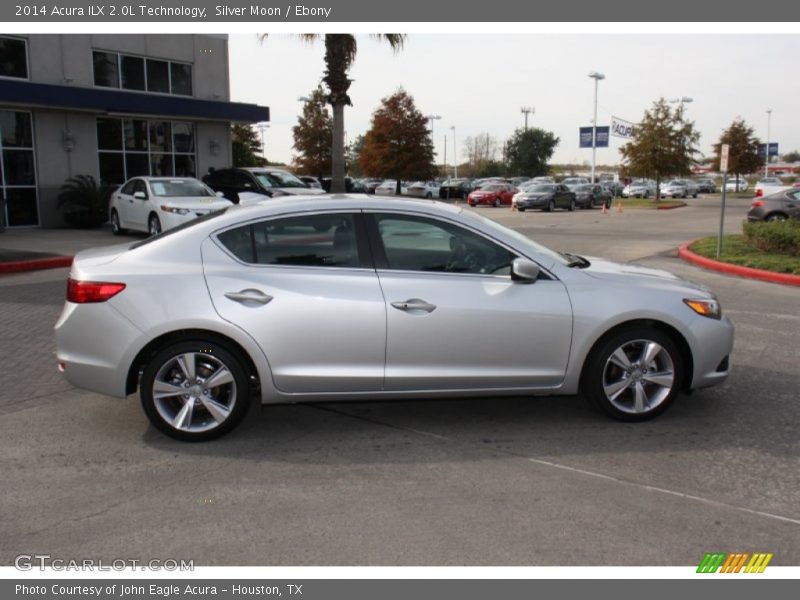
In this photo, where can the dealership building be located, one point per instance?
(109, 106)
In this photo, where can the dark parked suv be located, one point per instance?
(259, 180)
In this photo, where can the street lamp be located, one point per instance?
(526, 110)
(766, 150)
(597, 77)
(263, 126)
(455, 154)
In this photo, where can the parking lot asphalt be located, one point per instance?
(520, 481)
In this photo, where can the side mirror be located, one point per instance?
(140, 195)
(524, 270)
(220, 194)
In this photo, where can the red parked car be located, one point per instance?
(492, 194)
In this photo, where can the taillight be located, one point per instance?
(759, 192)
(757, 203)
(83, 292)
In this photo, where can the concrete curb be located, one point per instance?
(19, 266)
(729, 269)
(681, 205)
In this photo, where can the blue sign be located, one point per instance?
(586, 137)
(773, 149)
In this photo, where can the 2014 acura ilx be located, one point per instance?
(343, 298)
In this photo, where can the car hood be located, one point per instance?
(627, 273)
(196, 203)
(534, 195)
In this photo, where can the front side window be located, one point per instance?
(13, 58)
(321, 240)
(420, 244)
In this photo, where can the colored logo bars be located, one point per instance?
(734, 563)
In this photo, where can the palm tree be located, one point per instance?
(340, 52)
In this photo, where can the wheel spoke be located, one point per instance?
(663, 378)
(183, 419)
(220, 377)
(649, 353)
(163, 389)
(614, 390)
(639, 397)
(219, 411)
(186, 363)
(620, 359)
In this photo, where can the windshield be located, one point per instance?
(282, 179)
(491, 187)
(179, 188)
(582, 188)
(541, 188)
(518, 237)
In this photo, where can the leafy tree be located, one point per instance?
(352, 155)
(340, 53)
(312, 137)
(664, 144)
(398, 145)
(743, 153)
(793, 156)
(481, 153)
(84, 201)
(527, 151)
(246, 147)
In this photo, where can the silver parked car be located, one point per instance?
(342, 298)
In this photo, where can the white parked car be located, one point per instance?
(388, 188)
(155, 204)
(423, 189)
(770, 185)
(730, 186)
(640, 188)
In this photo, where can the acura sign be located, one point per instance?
(622, 129)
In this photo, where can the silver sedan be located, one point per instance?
(346, 298)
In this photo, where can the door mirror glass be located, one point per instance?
(524, 270)
(140, 195)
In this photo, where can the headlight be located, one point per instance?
(174, 210)
(705, 308)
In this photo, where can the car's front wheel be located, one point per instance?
(195, 391)
(634, 375)
(153, 225)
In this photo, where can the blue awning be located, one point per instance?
(122, 101)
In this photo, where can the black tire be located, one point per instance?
(214, 355)
(595, 374)
(551, 206)
(115, 227)
(497, 203)
(428, 196)
(153, 224)
(571, 205)
(772, 217)
(521, 209)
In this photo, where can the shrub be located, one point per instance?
(781, 237)
(84, 202)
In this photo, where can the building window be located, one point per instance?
(18, 169)
(133, 147)
(13, 58)
(123, 71)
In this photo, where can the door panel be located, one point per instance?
(324, 328)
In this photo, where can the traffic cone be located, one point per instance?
(619, 206)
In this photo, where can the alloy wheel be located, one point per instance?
(638, 376)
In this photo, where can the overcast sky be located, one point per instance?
(479, 82)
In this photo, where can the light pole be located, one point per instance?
(455, 154)
(682, 100)
(526, 110)
(766, 150)
(263, 126)
(597, 77)
(433, 118)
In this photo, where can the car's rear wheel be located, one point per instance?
(634, 375)
(116, 229)
(153, 225)
(195, 391)
(520, 209)
(776, 217)
(571, 204)
(551, 206)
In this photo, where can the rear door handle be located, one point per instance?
(414, 304)
(249, 296)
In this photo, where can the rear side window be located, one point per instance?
(327, 240)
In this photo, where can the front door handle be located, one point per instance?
(249, 296)
(414, 304)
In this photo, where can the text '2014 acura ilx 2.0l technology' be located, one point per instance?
(347, 298)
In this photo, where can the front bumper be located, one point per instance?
(532, 203)
(711, 345)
